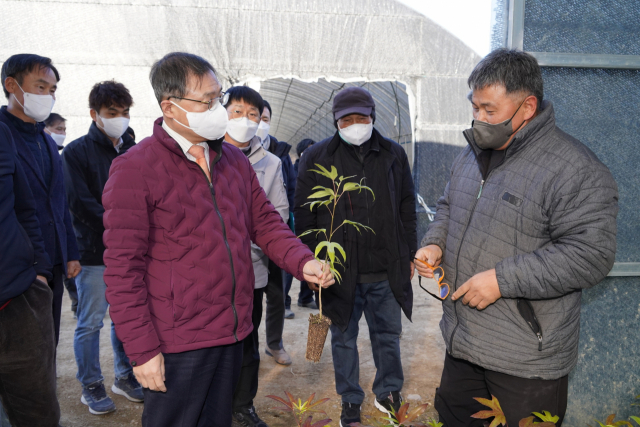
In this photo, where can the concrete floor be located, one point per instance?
(422, 358)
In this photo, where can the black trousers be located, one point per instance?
(27, 367)
(274, 321)
(200, 386)
(247, 387)
(518, 397)
(57, 286)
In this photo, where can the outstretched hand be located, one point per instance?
(317, 273)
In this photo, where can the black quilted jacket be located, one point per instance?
(545, 219)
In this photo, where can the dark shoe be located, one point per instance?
(392, 401)
(129, 387)
(95, 397)
(247, 417)
(312, 305)
(350, 414)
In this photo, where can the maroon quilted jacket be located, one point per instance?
(178, 253)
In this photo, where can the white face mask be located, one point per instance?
(263, 131)
(58, 138)
(357, 134)
(242, 129)
(210, 124)
(114, 127)
(38, 107)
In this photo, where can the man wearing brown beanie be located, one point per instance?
(376, 277)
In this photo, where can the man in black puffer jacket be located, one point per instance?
(86, 163)
(376, 278)
(527, 220)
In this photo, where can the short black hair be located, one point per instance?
(268, 107)
(303, 145)
(169, 75)
(246, 94)
(514, 69)
(108, 93)
(18, 66)
(53, 119)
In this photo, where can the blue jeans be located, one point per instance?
(92, 307)
(4, 421)
(383, 315)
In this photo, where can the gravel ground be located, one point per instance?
(422, 358)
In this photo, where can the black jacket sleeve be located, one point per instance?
(408, 206)
(289, 176)
(84, 206)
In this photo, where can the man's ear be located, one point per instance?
(167, 108)
(10, 84)
(93, 114)
(530, 107)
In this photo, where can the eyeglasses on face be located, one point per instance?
(443, 288)
(223, 99)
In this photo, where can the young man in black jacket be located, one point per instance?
(86, 169)
(27, 364)
(376, 278)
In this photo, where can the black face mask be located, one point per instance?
(492, 137)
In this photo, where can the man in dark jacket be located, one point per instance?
(27, 347)
(86, 164)
(376, 278)
(527, 220)
(181, 211)
(29, 83)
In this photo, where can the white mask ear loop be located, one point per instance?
(15, 97)
(176, 120)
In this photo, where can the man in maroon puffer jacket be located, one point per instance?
(181, 210)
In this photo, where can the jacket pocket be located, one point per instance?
(525, 308)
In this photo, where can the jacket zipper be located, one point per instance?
(226, 243)
(455, 284)
(366, 202)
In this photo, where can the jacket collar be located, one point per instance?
(97, 136)
(21, 126)
(170, 144)
(257, 151)
(541, 124)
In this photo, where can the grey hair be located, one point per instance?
(169, 75)
(517, 71)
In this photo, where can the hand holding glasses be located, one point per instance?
(443, 288)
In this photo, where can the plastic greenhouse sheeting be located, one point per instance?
(423, 68)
